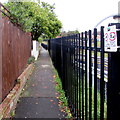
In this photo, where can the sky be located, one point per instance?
(83, 15)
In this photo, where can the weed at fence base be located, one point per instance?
(63, 102)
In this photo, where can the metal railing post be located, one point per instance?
(113, 91)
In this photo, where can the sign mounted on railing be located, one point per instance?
(110, 39)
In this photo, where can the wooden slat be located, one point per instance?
(0, 57)
(16, 51)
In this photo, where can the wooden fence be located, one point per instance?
(15, 49)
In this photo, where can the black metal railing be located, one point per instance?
(82, 65)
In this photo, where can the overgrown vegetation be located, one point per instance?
(31, 60)
(63, 102)
(12, 113)
(36, 17)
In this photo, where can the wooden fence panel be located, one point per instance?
(0, 57)
(16, 49)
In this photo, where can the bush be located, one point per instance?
(31, 59)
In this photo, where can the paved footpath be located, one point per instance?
(39, 97)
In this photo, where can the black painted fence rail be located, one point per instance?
(83, 68)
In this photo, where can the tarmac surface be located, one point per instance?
(39, 98)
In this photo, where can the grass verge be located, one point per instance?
(63, 102)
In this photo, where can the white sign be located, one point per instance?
(110, 39)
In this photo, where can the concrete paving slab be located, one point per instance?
(38, 108)
(39, 99)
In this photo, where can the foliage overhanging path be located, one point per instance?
(37, 18)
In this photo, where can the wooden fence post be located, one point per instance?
(0, 56)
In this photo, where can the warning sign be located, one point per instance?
(110, 36)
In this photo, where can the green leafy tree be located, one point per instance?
(64, 33)
(37, 18)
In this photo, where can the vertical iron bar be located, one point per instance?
(95, 74)
(55, 53)
(113, 90)
(74, 80)
(79, 81)
(77, 75)
(63, 59)
(66, 66)
(90, 77)
(70, 71)
(66, 47)
(82, 76)
(102, 83)
(86, 71)
(109, 94)
(72, 76)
